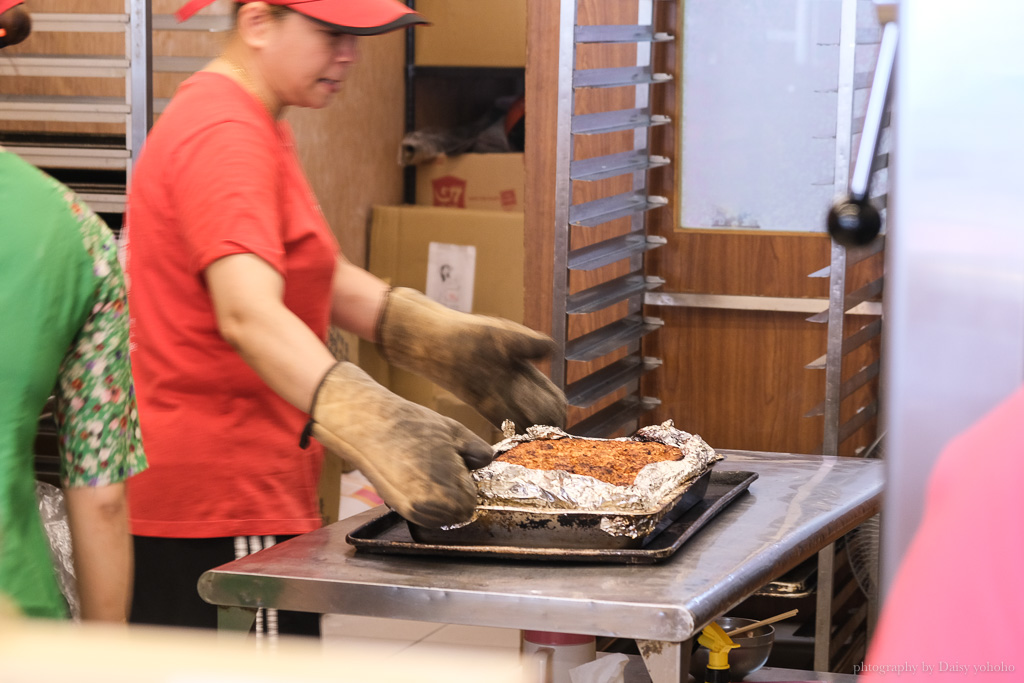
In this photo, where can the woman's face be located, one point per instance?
(305, 61)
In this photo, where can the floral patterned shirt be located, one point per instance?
(100, 441)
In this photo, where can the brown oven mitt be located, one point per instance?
(484, 361)
(417, 460)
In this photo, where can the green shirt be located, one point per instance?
(63, 330)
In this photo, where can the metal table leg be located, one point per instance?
(666, 662)
(235, 621)
(823, 617)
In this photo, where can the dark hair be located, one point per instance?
(281, 11)
(17, 24)
(276, 11)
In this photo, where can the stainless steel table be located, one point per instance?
(798, 505)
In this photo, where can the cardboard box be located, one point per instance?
(400, 252)
(492, 182)
(400, 239)
(472, 33)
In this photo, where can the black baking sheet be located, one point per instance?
(389, 533)
(524, 527)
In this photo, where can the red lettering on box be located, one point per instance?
(508, 199)
(449, 191)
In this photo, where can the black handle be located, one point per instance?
(854, 223)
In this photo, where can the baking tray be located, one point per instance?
(560, 528)
(389, 533)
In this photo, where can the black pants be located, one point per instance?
(166, 573)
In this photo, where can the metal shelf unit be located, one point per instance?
(135, 110)
(863, 133)
(573, 217)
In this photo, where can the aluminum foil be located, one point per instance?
(54, 516)
(505, 484)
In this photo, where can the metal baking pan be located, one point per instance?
(526, 527)
(389, 533)
(798, 582)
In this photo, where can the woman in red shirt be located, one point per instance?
(234, 277)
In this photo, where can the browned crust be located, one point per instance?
(615, 462)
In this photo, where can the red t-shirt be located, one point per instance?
(218, 176)
(955, 606)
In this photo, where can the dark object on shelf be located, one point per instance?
(796, 589)
(389, 533)
(515, 125)
(794, 638)
(489, 134)
(61, 140)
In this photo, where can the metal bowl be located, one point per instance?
(752, 653)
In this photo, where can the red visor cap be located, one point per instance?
(8, 4)
(358, 17)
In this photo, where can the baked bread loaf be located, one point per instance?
(614, 462)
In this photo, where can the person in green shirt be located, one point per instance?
(63, 330)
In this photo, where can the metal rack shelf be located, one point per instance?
(71, 157)
(135, 110)
(611, 292)
(616, 33)
(612, 250)
(64, 108)
(598, 211)
(79, 22)
(619, 374)
(614, 121)
(611, 337)
(587, 391)
(64, 66)
(612, 165)
(829, 651)
(623, 412)
(618, 77)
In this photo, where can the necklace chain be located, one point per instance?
(249, 83)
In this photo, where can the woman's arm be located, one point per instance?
(101, 550)
(357, 297)
(415, 458)
(247, 296)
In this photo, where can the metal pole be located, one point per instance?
(140, 81)
(563, 186)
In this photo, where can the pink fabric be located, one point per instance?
(956, 605)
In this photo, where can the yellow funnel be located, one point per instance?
(718, 643)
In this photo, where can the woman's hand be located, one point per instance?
(417, 460)
(484, 361)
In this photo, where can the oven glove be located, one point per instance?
(484, 361)
(416, 459)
